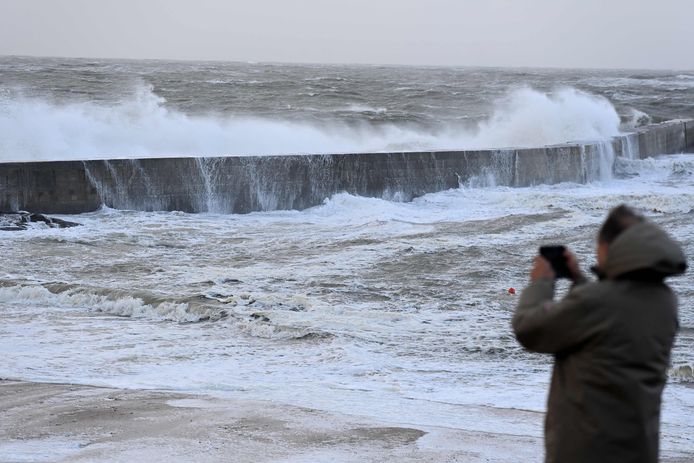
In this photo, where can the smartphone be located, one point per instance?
(557, 258)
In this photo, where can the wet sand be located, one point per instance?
(43, 422)
(68, 423)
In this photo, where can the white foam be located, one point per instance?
(682, 373)
(144, 126)
(636, 118)
(680, 82)
(39, 450)
(123, 307)
(663, 183)
(444, 356)
(361, 108)
(530, 118)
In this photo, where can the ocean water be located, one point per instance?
(391, 310)
(77, 109)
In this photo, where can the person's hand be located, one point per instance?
(572, 264)
(541, 269)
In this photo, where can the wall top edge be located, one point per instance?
(569, 145)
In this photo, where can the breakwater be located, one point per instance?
(241, 184)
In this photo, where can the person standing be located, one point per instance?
(611, 340)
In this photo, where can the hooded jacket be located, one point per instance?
(611, 340)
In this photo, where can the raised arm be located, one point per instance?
(543, 325)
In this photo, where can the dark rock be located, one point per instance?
(315, 336)
(260, 317)
(16, 221)
(39, 218)
(52, 222)
(66, 224)
(217, 296)
(12, 221)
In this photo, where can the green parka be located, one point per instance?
(611, 340)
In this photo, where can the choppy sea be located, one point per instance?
(385, 309)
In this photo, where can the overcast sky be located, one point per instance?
(561, 33)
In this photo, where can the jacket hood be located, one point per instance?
(644, 247)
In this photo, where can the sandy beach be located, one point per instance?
(60, 422)
(44, 422)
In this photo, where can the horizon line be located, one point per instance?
(338, 63)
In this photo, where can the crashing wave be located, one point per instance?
(144, 126)
(114, 304)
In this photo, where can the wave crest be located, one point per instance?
(142, 125)
(121, 306)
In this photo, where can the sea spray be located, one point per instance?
(144, 125)
(528, 118)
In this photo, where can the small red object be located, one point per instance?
(512, 290)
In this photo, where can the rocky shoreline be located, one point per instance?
(22, 220)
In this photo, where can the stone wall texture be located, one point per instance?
(241, 184)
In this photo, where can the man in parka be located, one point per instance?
(611, 341)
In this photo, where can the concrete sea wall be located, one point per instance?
(689, 136)
(241, 184)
